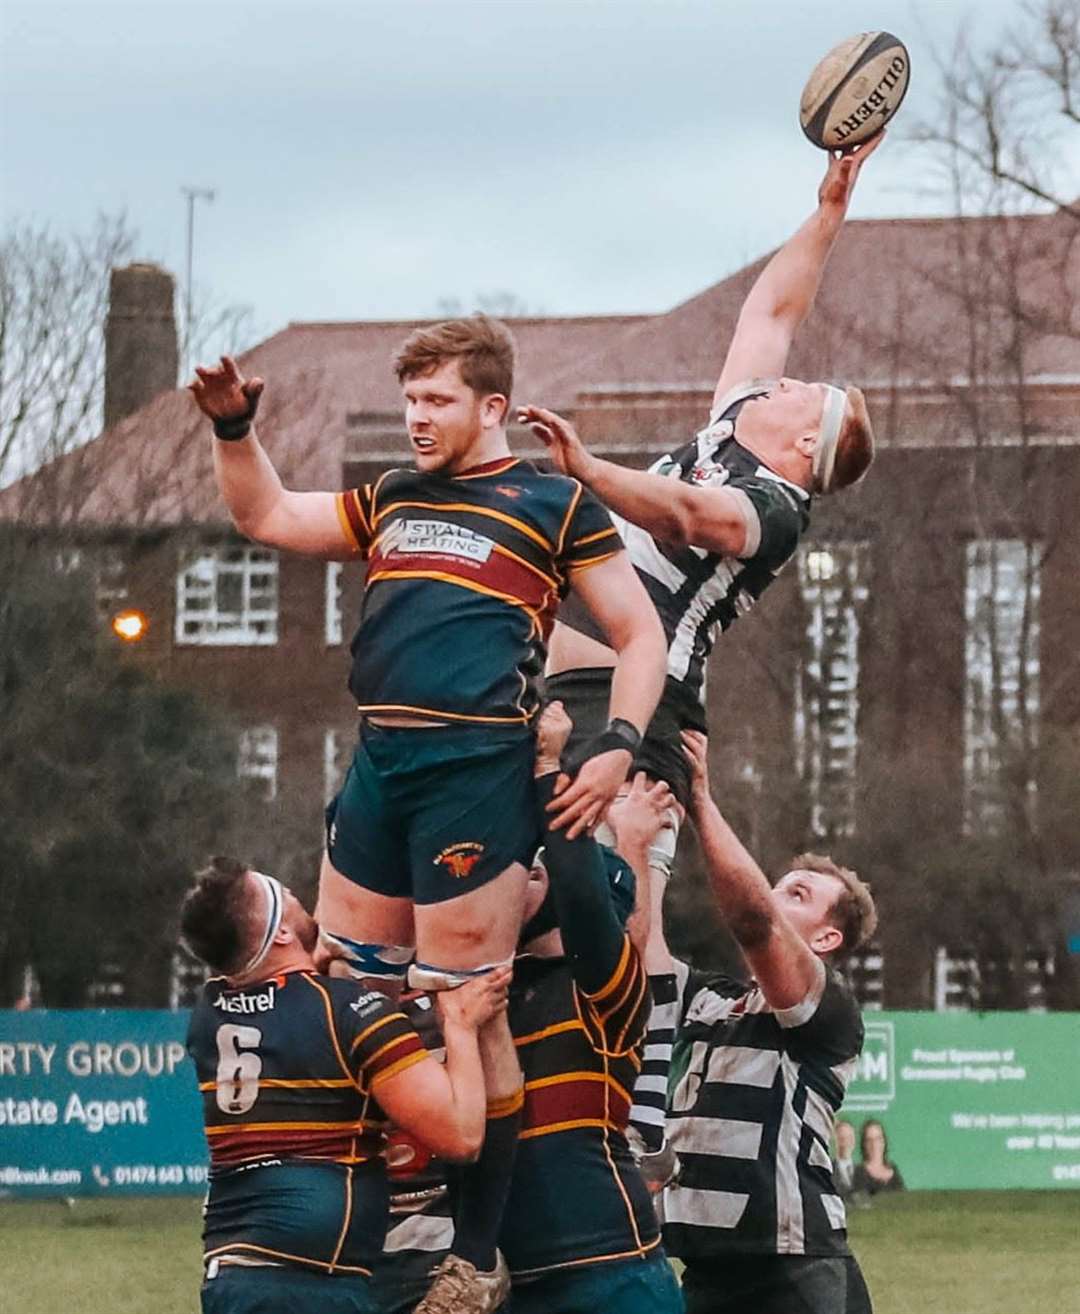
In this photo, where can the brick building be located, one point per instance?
(910, 687)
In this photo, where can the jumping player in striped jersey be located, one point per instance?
(759, 1072)
(299, 1073)
(710, 526)
(469, 554)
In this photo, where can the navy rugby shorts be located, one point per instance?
(431, 814)
(623, 1286)
(285, 1291)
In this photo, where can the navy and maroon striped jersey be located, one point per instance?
(577, 1197)
(465, 574)
(289, 1072)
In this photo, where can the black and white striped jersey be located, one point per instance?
(753, 1099)
(697, 593)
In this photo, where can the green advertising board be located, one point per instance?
(98, 1102)
(974, 1101)
(101, 1102)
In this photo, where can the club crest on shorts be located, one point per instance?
(460, 859)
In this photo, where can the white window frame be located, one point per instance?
(826, 713)
(257, 757)
(1002, 590)
(333, 623)
(253, 624)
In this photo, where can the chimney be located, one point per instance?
(141, 351)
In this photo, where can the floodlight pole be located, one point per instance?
(192, 194)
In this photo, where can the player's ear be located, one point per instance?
(827, 940)
(807, 441)
(493, 410)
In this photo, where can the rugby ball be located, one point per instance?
(855, 90)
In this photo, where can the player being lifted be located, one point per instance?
(710, 526)
(469, 554)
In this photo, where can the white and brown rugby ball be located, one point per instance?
(855, 90)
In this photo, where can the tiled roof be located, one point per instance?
(891, 311)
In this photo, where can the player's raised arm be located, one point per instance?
(637, 817)
(716, 519)
(783, 964)
(617, 600)
(785, 289)
(261, 507)
(444, 1105)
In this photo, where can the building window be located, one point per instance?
(832, 582)
(1001, 684)
(186, 979)
(257, 758)
(106, 567)
(333, 604)
(228, 595)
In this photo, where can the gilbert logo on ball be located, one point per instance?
(855, 90)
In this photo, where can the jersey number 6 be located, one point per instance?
(238, 1068)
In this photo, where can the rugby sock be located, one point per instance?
(482, 1187)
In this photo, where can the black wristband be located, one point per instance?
(619, 735)
(231, 428)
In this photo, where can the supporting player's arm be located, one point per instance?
(715, 519)
(783, 965)
(445, 1105)
(592, 937)
(785, 289)
(637, 817)
(261, 507)
(617, 599)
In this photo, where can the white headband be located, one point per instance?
(275, 910)
(832, 421)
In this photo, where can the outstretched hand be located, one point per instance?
(475, 1003)
(222, 393)
(639, 814)
(552, 733)
(560, 438)
(843, 171)
(579, 807)
(696, 750)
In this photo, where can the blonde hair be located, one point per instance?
(855, 445)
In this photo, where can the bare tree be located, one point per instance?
(1007, 119)
(54, 294)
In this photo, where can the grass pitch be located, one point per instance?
(934, 1252)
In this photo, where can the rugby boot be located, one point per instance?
(461, 1288)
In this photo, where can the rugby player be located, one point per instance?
(421, 1228)
(469, 554)
(759, 1071)
(579, 1231)
(710, 526)
(298, 1073)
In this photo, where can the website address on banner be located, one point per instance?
(10, 1176)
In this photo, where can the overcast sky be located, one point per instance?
(370, 158)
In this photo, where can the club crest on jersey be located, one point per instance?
(709, 474)
(507, 491)
(460, 859)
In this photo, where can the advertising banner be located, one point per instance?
(973, 1101)
(98, 1102)
(104, 1102)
